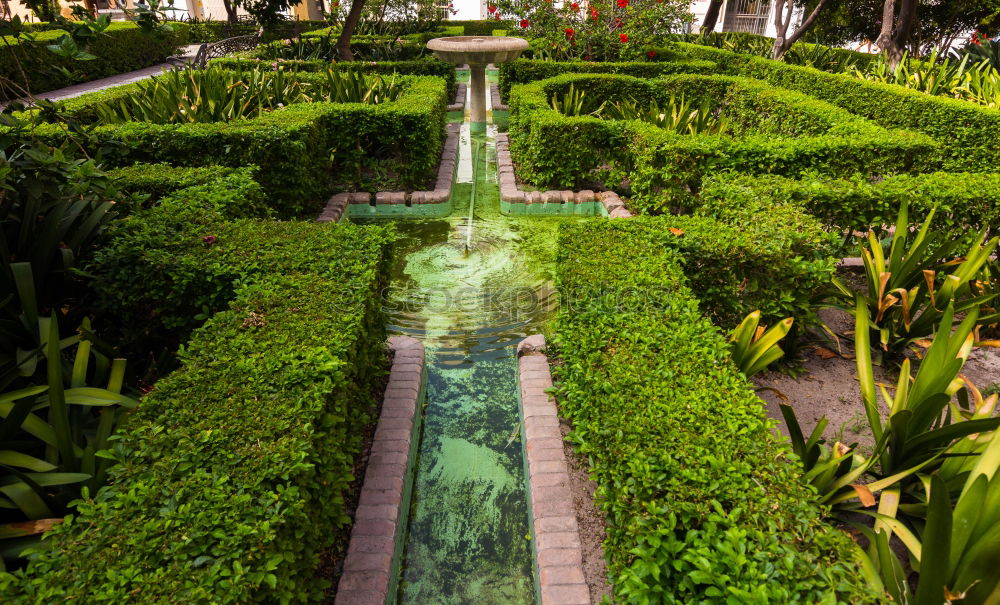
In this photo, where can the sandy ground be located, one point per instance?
(828, 385)
(590, 519)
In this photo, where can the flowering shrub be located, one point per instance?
(598, 30)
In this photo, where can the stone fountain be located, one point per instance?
(477, 52)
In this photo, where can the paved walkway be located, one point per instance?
(61, 94)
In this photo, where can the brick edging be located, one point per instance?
(459, 103)
(556, 544)
(336, 207)
(495, 101)
(374, 552)
(510, 193)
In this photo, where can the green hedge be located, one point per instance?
(479, 27)
(428, 66)
(148, 183)
(965, 202)
(759, 255)
(160, 279)
(703, 504)
(773, 131)
(961, 127)
(523, 71)
(293, 146)
(232, 473)
(124, 47)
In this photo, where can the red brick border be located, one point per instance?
(459, 103)
(510, 193)
(496, 103)
(372, 562)
(558, 553)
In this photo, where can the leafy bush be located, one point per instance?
(598, 30)
(958, 125)
(775, 131)
(304, 150)
(701, 501)
(124, 47)
(216, 95)
(231, 476)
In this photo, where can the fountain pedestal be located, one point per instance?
(477, 52)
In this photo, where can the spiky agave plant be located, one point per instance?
(219, 95)
(677, 115)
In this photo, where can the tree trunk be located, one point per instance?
(896, 31)
(786, 41)
(344, 41)
(230, 6)
(711, 17)
(781, 22)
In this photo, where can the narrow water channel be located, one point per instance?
(470, 297)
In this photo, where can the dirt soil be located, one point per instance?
(589, 518)
(826, 383)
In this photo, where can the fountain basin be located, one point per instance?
(477, 52)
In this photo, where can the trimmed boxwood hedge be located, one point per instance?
(774, 131)
(965, 202)
(428, 66)
(522, 71)
(148, 183)
(758, 255)
(232, 472)
(703, 504)
(298, 148)
(962, 127)
(122, 48)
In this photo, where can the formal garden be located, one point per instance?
(607, 313)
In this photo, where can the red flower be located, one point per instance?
(570, 32)
(623, 38)
(575, 7)
(622, 3)
(617, 24)
(651, 54)
(525, 23)
(491, 9)
(209, 239)
(498, 16)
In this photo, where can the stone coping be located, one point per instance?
(371, 567)
(337, 206)
(511, 194)
(557, 547)
(495, 101)
(459, 104)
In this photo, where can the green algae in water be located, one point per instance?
(468, 532)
